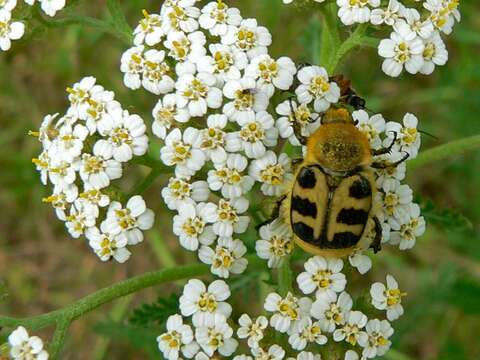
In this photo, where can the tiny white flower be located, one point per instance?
(249, 38)
(361, 262)
(389, 15)
(203, 302)
(395, 199)
(286, 311)
(306, 355)
(181, 16)
(156, 73)
(61, 173)
(214, 334)
(388, 298)
(276, 243)
(80, 94)
(403, 49)
(61, 200)
(42, 165)
(331, 311)
(26, 347)
(182, 151)
(404, 234)
(101, 107)
(273, 173)
(108, 246)
(378, 334)
(148, 30)
(274, 352)
(434, 54)
(292, 115)
(130, 220)
(50, 7)
(197, 93)
(316, 86)
(413, 22)
(226, 258)
(166, 114)
(69, 142)
(132, 65)
(408, 136)
(177, 335)
(225, 62)
(246, 99)
(352, 355)
(79, 219)
(190, 225)
(216, 16)
(306, 332)
(255, 135)
(372, 126)
(228, 177)
(253, 329)
(213, 138)
(443, 14)
(351, 331)
(125, 138)
(322, 275)
(97, 171)
(181, 190)
(8, 5)
(229, 219)
(397, 172)
(186, 47)
(271, 74)
(356, 11)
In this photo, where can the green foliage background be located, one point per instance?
(41, 268)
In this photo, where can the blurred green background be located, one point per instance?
(41, 268)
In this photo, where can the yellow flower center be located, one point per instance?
(319, 86)
(252, 132)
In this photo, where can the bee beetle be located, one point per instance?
(330, 203)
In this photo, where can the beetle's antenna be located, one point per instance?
(428, 134)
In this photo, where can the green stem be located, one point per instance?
(354, 40)
(59, 336)
(445, 151)
(115, 291)
(285, 277)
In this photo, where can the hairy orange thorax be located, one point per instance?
(338, 145)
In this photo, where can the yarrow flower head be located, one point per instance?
(26, 347)
(83, 154)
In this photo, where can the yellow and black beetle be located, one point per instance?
(330, 205)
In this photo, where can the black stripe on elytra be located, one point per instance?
(343, 240)
(306, 178)
(360, 189)
(304, 207)
(352, 216)
(303, 231)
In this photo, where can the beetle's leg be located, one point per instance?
(275, 212)
(377, 241)
(385, 165)
(386, 150)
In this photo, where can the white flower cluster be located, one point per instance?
(305, 322)
(213, 118)
(83, 152)
(415, 43)
(14, 30)
(26, 347)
